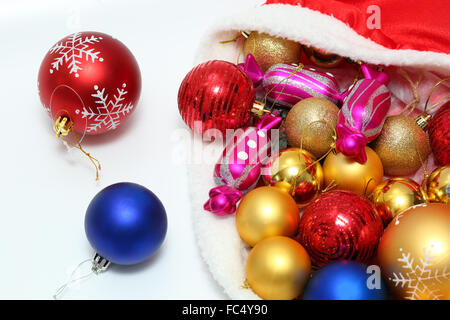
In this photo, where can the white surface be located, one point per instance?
(45, 190)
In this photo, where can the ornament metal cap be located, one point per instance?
(422, 121)
(62, 126)
(245, 34)
(99, 264)
(259, 109)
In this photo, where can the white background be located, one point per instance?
(45, 189)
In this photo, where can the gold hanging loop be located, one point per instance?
(63, 126)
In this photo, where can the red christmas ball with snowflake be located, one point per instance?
(92, 79)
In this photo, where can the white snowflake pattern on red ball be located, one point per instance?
(72, 52)
(107, 113)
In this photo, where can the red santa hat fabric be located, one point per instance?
(400, 32)
(398, 25)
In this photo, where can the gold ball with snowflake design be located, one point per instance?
(414, 253)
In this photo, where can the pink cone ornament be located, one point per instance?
(287, 84)
(363, 113)
(239, 168)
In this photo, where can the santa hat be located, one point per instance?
(401, 33)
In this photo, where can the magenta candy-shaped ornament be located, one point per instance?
(287, 84)
(222, 200)
(239, 168)
(364, 110)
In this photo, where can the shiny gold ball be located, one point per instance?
(402, 146)
(278, 268)
(269, 50)
(394, 195)
(266, 212)
(438, 185)
(294, 171)
(350, 175)
(322, 58)
(311, 122)
(414, 253)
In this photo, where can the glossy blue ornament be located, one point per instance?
(125, 223)
(344, 280)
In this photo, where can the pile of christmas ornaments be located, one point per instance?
(319, 218)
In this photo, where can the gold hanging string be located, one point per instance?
(231, 40)
(358, 74)
(241, 51)
(444, 99)
(297, 69)
(330, 186)
(437, 84)
(235, 39)
(367, 186)
(78, 146)
(422, 163)
(414, 87)
(322, 157)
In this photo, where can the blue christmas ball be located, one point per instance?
(346, 280)
(126, 223)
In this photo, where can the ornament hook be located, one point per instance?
(62, 126)
(99, 265)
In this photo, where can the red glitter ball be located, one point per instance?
(340, 225)
(216, 94)
(439, 132)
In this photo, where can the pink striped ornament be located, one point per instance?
(363, 113)
(287, 84)
(239, 168)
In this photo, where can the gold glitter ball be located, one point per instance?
(402, 146)
(311, 122)
(269, 50)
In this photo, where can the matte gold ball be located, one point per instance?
(394, 195)
(269, 50)
(438, 185)
(293, 170)
(402, 146)
(266, 212)
(414, 253)
(311, 122)
(351, 175)
(278, 268)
